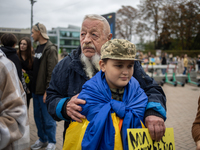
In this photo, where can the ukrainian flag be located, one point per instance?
(107, 119)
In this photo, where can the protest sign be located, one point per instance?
(139, 139)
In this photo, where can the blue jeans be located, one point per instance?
(185, 69)
(45, 124)
(163, 71)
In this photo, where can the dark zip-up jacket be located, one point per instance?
(11, 54)
(48, 61)
(68, 77)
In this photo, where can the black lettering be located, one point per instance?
(134, 141)
(154, 147)
(170, 146)
(167, 147)
(159, 146)
(145, 137)
(149, 147)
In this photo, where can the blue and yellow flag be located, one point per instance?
(101, 130)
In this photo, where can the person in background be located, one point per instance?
(82, 64)
(180, 64)
(26, 58)
(141, 56)
(152, 59)
(198, 63)
(157, 60)
(9, 41)
(171, 58)
(185, 62)
(46, 57)
(164, 62)
(14, 125)
(196, 127)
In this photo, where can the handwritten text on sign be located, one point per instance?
(139, 139)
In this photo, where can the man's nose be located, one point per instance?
(87, 38)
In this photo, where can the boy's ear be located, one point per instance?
(102, 65)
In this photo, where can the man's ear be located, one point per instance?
(110, 36)
(102, 65)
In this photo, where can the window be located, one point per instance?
(69, 42)
(69, 34)
(53, 39)
(75, 34)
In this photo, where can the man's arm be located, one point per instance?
(60, 105)
(154, 118)
(57, 91)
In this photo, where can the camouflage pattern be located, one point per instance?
(118, 49)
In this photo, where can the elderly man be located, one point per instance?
(81, 64)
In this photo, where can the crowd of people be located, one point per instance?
(34, 68)
(64, 90)
(183, 62)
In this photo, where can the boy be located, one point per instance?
(114, 102)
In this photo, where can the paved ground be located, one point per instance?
(181, 111)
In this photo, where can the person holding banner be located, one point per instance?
(196, 127)
(82, 64)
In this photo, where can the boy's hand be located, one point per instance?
(198, 145)
(156, 127)
(73, 108)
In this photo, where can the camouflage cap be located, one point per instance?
(118, 49)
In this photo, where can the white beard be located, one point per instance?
(90, 64)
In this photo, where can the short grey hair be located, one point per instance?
(101, 18)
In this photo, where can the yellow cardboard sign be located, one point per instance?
(139, 139)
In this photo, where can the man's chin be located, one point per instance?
(89, 55)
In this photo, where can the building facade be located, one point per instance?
(65, 38)
(19, 33)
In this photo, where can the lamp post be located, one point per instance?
(32, 2)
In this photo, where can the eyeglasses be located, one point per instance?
(37, 25)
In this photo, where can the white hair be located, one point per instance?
(101, 18)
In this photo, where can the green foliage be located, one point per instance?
(174, 24)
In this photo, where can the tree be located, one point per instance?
(126, 19)
(150, 14)
(180, 25)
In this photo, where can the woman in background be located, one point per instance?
(180, 64)
(26, 57)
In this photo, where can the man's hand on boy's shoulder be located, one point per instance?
(73, 108)
(156, 127)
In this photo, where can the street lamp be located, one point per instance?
(32, 2)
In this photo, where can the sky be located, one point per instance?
(55, 13)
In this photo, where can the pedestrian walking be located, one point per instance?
(185, 62)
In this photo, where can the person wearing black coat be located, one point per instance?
(9, 40)
(26, 59)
